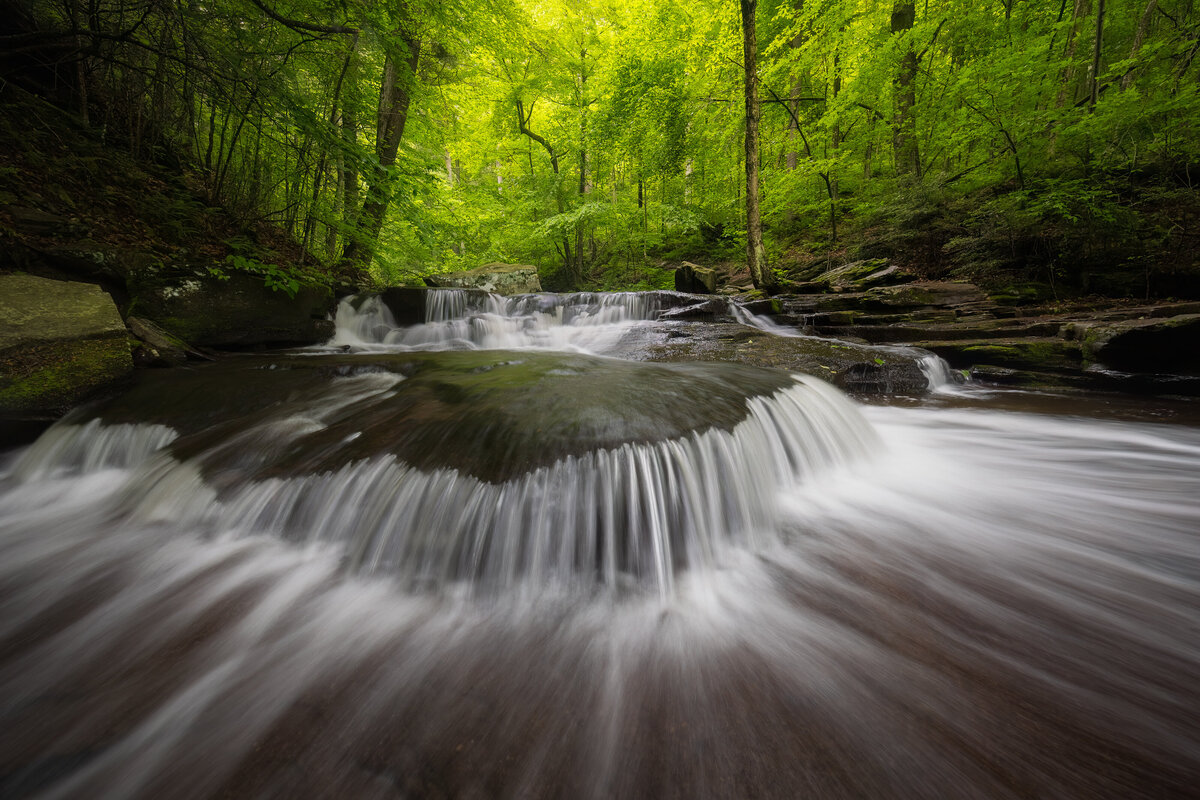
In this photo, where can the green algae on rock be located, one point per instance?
(60, 343)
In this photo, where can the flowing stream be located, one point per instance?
(782, 593)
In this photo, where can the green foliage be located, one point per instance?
(288, 280)
(595, 139)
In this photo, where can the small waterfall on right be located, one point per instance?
(939, 374)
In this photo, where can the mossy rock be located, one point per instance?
(1145, 345)
(921, 295)
(860, 275)
(857, 368)
(696, 279)
(238, 311)
(491, 414)
(503, 279)
(1019, 294)
(60, 343)
(47, 380)
(1033, 354)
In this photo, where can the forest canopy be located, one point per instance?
(1048, 140)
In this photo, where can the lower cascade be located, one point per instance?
(442, 475)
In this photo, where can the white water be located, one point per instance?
(584, 322)
(991, 600)
(455, 319)
(824, 602)
(624, 518)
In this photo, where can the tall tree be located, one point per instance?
(904, 124)
(756, 254)
(395, 96)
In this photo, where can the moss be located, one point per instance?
(51, 378)
(1017, 294)
(1034, 354)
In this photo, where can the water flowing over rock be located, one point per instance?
(985, 601)
(646, 326)
(495, 467)
(457, 556)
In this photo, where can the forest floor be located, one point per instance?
(74, 205)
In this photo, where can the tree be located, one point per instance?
(756, 257)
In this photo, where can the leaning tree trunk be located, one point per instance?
(395, 95)
(756, 257)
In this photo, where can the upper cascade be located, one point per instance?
(466, 319)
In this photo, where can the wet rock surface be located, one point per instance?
(1095, 343)
(491, 414)
(852, 367)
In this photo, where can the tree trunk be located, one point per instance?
(904, 124)
(792, 158)
(756, 257)
(1094, 93)
(523, 126)
(583, 162)
(395, 95)
(1139, 37)
(344, 118)
(1067, 90)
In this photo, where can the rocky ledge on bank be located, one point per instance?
(1094, 343)
(1014, 335)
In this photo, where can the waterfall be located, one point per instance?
(80, 449)
(365, 570)
(761, 322)
(469, 320)
(941, 378)
(628, 517)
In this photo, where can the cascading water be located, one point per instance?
(460, 319)
(517, 573)
(584, 322)
(593, 495)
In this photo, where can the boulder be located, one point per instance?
(695, 279)
(238, 311)
(861, 275)
(60, 343)
(503, 279)
(1036, 354)
(492, 414)
(715, 308)
(921, 295)
(1143, 345)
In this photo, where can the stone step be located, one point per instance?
(910, 334)
(1040, 354)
